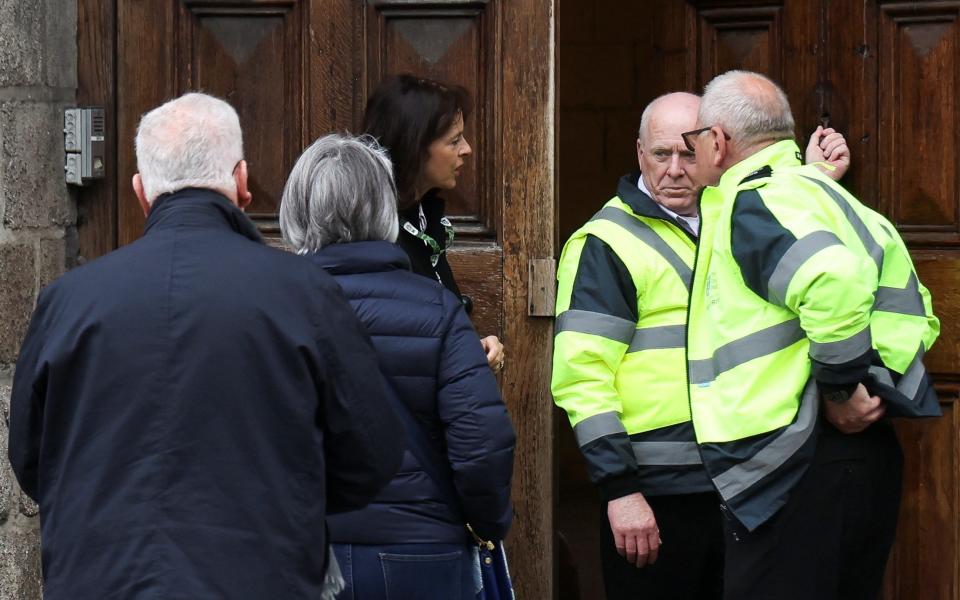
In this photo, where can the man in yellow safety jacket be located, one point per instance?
(807, 323)
(620, 366)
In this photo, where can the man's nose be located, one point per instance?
(675, 169)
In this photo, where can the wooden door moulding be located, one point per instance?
(919, 55)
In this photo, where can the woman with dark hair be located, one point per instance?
(339, 211)
(420, 123)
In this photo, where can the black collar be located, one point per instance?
(198, 206)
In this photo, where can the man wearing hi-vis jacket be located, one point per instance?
(620, 369)
(807, 324)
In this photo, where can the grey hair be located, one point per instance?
(191, 141)
(749, 106)
(340, 190)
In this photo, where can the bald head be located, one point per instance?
(192, 141)
(665, 163)
(749, 107)
(677, 107)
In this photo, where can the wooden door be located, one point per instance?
(297, 69)
(887, 74)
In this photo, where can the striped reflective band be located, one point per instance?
(584, 321)
(656, 338)
(905, 301)
(837, 353)
(666, 453)
(648, 236)
(793, 259)
(735, 353)
(745, 475)
(909, 384)
(866, 238)
(598, 426)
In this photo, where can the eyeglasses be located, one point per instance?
(689, 136)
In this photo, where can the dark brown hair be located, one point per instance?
(406, 114)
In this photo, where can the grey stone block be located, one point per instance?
(20, 577)
(16, 297)
(51, 261)
(22, 29)
(32, 183)
(6, 474)
(61, 47)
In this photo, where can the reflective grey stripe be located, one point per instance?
(794, 258)
(745, 475)
(837, 353)
(608, 326)
(652, 338)
(904, 301)
(648, 236)
(735, 353)
(666, 453)
(909, 384)
(882, 375)
(874, 249)
(596, 427)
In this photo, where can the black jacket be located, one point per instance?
(419, 253)
(186, 411)
(429, 350)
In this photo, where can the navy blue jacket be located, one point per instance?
(431, 354)
(187, 410)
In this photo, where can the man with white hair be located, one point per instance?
(187, 409)
(620, 371)
(807, 324)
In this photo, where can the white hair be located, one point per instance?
(192, 141)
(748, 106)
(340, 190)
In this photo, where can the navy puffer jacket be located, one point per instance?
(429, 350)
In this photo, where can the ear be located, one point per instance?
(639, 151)
(141, 195)
(721, 147)
(241, 177)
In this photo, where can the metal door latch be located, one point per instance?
(84, 130)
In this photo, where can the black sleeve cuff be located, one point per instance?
(618, 487)
(842, 377)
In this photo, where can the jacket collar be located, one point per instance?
(197, 206)
(361, 257)
(776, 156)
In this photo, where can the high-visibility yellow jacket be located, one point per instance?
(798, 289)
(619, 368)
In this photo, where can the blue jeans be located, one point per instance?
(407, 572)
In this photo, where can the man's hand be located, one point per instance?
(829, 146)
(494, 351)
(635, 531)
(858, 412)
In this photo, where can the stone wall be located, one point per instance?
(38, 79)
